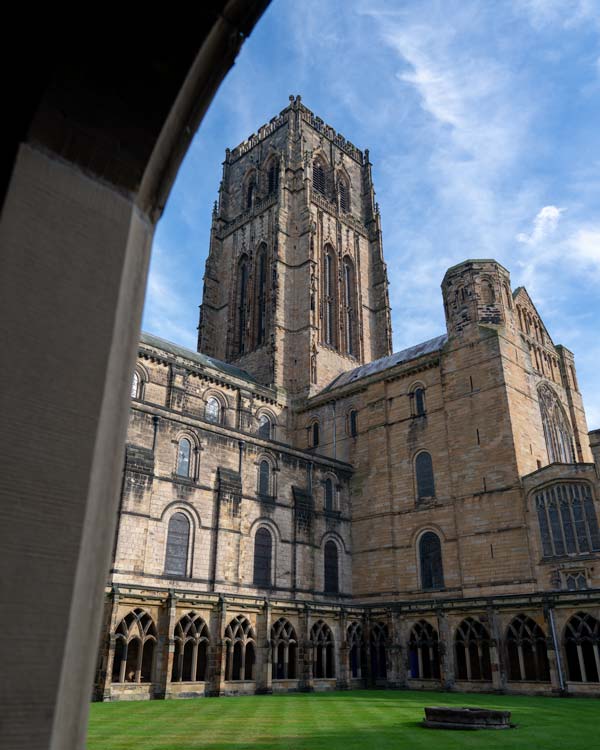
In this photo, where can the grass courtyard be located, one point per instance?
(350, 720)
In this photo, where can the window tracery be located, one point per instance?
(284, 650)
(192, 640)
(321, 639)
(135, 641)
(424, 652)
(557, 430)
(240, 645)
(567, 519)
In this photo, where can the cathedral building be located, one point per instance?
(303, 509)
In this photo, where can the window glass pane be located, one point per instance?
(262, 557)
(419, 402)
(177, 545)
(331, 568)
(263, 478)
(135, 385)
(183, 457)
(328, 495)
(213, 410)
(424, 470)
(264, 427)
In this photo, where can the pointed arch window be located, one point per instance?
(567, 519)
(178, 538)
(319, 177)
(240, 655)
(192, 639)
(284, 650)
(331, 565)
(424, 474)
(261, 295)
(250, 192)
(356, 650)
(424, 652)
(272, 177)
(184, 458)
(430, 562)
(349, 307)
(135, 641)
(242, 303)
(582, 646)
(472, 650)
(557, 430)
(321, 639)
(329, 294)
(379, 641)
(263, 551)
(527, 651)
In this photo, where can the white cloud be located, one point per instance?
(544, 224)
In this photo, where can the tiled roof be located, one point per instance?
(385, 363)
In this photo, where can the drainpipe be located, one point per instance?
(334, 430)
(561, 680)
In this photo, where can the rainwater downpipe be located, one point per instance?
(334, 430)
(561, 680)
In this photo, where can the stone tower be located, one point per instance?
(295, 286)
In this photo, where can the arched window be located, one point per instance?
(527, 651)
(184, 457)
(242, 303)
(263, 551)
(191, 649)
(332, 585)
(353, 423)
(261, 295)
(349, 307)
(557, 430)
(379, 639)
(567, 519)
(314, 434)
(430, 562)
(419, 401)
(250, 192)
(424, 652)
(488, 296)
(178, 537)
(272, 177)
(329, 296)
(582, 646)
(424, 472)
(135, 640)
(321, 639)
(135, 386)
(240, 654)
(329, 504)
(472, 649)
(319, 184)
(284, 650)
(264, 427)
(356, 650)
(343, 196)
(264, 479)
(212, 411)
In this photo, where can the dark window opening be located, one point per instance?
(331, 568)
(178, 536)
(263, 546)
(430, 557)
(424, 472)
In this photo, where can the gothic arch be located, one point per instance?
(135, 643)
(192, 641)
(240, 648)
(264, 430)
(320, 170)
(322, 642)
(284, 650)
(526, 651)
(215, 414)
(357, 651)
(557, 428)
(581, 642)
(261, 293)
(270, 171)
(343, 190)
(472, 651)
(329, 332)
(350, 307)
(423, 652)
(250, 188)
(241, 305)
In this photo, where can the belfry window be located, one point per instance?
(261, 299)
(318, 177)
(178, 537)
(349, 307)
(430, 561)
(567, 519)
(329, 297)
(343, 196)
(272, 178)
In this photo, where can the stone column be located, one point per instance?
(168, 650)
(496, 651)
(396, 674)
(305, 653)
(342, 672)
(446, 647)
(264, 670)
(104, 685)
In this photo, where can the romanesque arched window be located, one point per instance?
(264, 478)
(329, 489)
(321, 639)
(135, 641)
(240, 645)
(265, 426)
(184, 458)
(379, 641)
(356, 649)
(331, 568)
(557, 430)
(349, 307)
(567, 519)
(284, 650)
(242, 304)
(135, 385)
(212, 411)
(424, 652)
(430, 562)
(190, 660)
(178, 539)
(582, 646)
(472, 650)
(527, 651)
(263, 553)
(319, 183)
(314, 434)
(261, 295)
(250, 191)
(329, 296)
(424, 476)
(488, 296)
(419, 401)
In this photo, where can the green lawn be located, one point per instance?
(359, 719)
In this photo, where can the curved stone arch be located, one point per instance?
(558, 431)
(272, 160)
(342, 178)
(436, 575)
(422, 481)
(239, 641)
(423, 650)
(284, 650)
(251, 177)
(273, 469)
(268, 523)
(138, 388)
(352, 409)
(135, 637)
(487, 290)
(418, 533)
(275, 539)
(581, 645)
(191, 636)
(214, 393)
(183, 507)
(312, 431)
(418, 404)
(337, 538)
(331, 476)
(191, 517)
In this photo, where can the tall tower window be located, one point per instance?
(318, 177)
(261, 298)
(272, 177)
(263, 545)
(343, 196)
(349, 306)
(331, 568)
(424, 475)
(557, 431)
(329, 286)
(242, 297)
(250, 193)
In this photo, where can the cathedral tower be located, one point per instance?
(295, 286)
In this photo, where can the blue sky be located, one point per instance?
(482, 119)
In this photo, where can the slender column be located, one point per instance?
(104, 688)
(166, 646)
(498, 673)
(243, 662)
(194, 662)
(446, 652)
(597, 658)
(581, 663)
(343, 672)
(123, 663)
(521, 661)
(138, 666)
